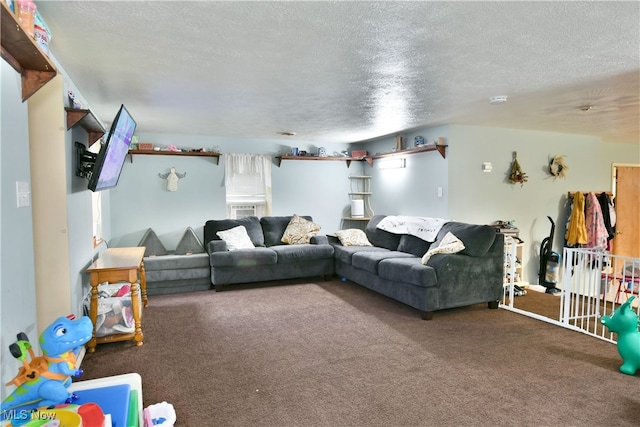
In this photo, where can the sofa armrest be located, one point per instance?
(319, 240)
(216, 246)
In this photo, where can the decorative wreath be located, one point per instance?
(517, 175)
(557, 167)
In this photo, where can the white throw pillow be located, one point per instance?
(353, 237)
(450, 244)
(236, 238)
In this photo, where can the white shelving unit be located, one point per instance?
(360, 190)
(513, 257)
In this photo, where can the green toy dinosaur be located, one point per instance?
(624, 321)
(44, 379)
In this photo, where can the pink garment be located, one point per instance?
(597, 234)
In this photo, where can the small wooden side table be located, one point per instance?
(115, 265)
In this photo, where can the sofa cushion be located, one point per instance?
(189, 244)
(183, 274)
(368, 261)
(172, 262)
(413, 245)
(450, 244)
(236, 238)
(381, 238)
(153, 245)
(243, 258)
(299, 231)
(409, 269)
(477, 239)
(302, 252)
(344, 254)
(352, 237)
(273, 228)
(252, 224)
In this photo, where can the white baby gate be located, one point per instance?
(594, 283)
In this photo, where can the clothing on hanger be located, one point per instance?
(576, 231)
(597, 235)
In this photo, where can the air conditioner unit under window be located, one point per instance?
(242, 211)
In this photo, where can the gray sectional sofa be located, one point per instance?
(270, 259)
(393, 267)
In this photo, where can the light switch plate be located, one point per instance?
(23, 194)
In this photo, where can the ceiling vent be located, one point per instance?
(498, 99)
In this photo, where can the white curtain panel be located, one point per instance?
(249, 175)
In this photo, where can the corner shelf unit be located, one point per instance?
(360, 190)
(175, 153)
(23, 54)
(87, 120)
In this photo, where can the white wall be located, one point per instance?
(17, 277)
(471, 195)
(141, 200)
(414, 189)
(319, 188)
(484, 197)
(19, 311)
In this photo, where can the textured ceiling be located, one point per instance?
(351, 71)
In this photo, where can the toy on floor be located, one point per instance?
(87, 414)
(624, 321)
(160, 414)
(44, 379)
(114, 317)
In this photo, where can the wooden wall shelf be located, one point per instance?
(330, 158)
(22, 52)
(175, 153)
(86, 120)
(439, 148)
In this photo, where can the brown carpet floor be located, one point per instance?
(331, 353)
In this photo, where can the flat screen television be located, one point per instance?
(110, 160)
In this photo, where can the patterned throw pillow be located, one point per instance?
(236, 238)
(299, 231)
(353, 237)
(450, 245)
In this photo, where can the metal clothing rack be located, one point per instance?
(570, 194)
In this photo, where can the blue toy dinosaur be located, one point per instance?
(44, 379)
(624, 321)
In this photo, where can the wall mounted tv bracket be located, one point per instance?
(85, 160)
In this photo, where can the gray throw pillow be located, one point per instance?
(274, 227)
(381, 238)
(153, 245)
(477, 239)
(189, 244)
(251, 223)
